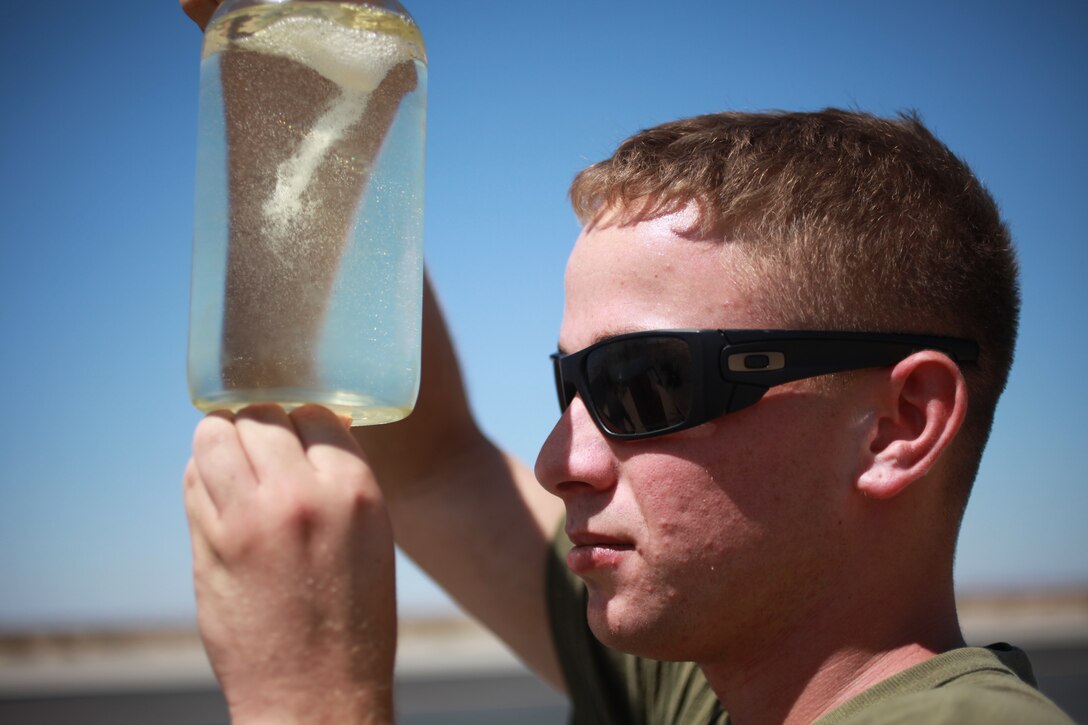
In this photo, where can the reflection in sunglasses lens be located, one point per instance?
(641, 385)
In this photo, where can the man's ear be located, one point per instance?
(922, 406)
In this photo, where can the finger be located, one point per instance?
(200, 10)
(204, 554)
(201, 515)
(199, 506)
(223, 469)
(329, 446)
(271, 444)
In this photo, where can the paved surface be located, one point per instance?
(449, 672)
(478, 698)
(475, 699)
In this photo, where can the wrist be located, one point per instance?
(372, 705)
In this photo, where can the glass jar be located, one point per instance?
(307, 246)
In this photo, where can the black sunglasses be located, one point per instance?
(651, 383)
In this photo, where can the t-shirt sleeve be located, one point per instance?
(607, 687)
(992, 685)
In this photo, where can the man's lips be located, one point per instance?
(595, 551)
(591, 538)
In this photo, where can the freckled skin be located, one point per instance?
(732, 521)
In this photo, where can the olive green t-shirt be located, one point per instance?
(992, 685)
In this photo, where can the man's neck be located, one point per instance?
(807, 674)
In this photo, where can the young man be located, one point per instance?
(797, 548)
(783, 342)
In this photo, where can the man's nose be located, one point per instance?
(576, 455)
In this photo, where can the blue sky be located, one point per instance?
(98, 134)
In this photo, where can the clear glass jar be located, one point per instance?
(307, 246)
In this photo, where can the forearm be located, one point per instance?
(409, 451)
(483, 530)
(471, 516)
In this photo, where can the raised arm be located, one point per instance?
(469, 514)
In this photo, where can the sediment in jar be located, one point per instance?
(307, 104)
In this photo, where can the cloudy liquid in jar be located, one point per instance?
(307, 261)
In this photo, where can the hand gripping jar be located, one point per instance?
(307, 246)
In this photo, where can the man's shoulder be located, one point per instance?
(986, 703)
(992, 685)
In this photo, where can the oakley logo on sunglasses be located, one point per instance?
(651, 383)
(744, 362)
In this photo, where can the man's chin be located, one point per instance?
(621, 625)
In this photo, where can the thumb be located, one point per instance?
(200, 10)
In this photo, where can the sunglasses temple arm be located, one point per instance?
(806, 361)
(743, 396)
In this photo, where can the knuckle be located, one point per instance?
(189, 478)
(295, 512)
(302, 515)
(231, 548)
(238, 542)
(357, 472)
(363, 498)
(211, 433)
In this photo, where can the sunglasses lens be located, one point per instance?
(565, 390)
(641, 385)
